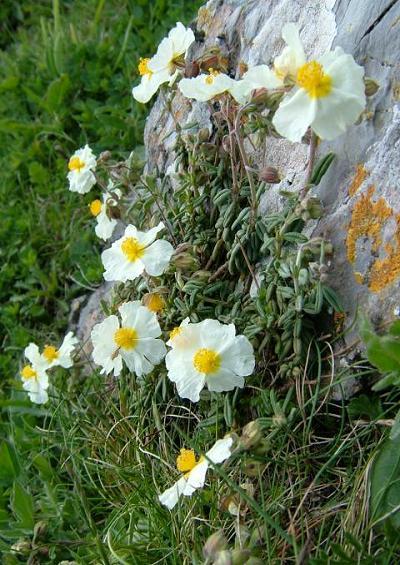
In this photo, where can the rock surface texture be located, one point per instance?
(361, 192)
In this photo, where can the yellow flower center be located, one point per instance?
(174, 332)
(211, 77)
(50, 353)
(206, 361)
(76, 164)
(154, 302)
(143, 67)
(312, 78)
(132, 249)
(28, 373)
(126, 338)
(186, 460)
(95, 207)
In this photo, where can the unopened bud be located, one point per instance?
(240, 556)
(104, 156)
(215, 543)
(312, 207)
(253, 468)
(39, 531)
(371, 86)
(192, 69)
(202, 275)
(279, 420)
(204, 135)
(223, 558)
(260, 96)
(251, 435)
(274, 99)
(270, 175)
(23, 547)
(185, 261)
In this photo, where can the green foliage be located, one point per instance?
(383, 351)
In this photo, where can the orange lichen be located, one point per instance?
(385, 271)
(366, 221)
(358, 179)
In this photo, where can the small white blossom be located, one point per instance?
(132, 339)
(100, 210)
(164, 65)
(195, 471)
(208, 354)
(81, 166)
(204, 87)
(63, 356)
(34, 377)
(136, 252)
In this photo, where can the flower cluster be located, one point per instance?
(326, 93)
(35, 379)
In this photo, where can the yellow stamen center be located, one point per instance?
(186, 460)
(50, 353)
(174, 332)
(28, 373)
(95, 207)
(132, 249)
(76, 164)
(312, 78)
(126, 338)
(143, 67)
(154, 302)
(206, 361)
(211, 77)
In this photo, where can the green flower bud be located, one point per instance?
(371, 86)
(214, 544)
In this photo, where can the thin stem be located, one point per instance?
(243, 155)
(310, 165)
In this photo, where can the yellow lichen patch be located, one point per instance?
(358, 179)
(366, 221)
(385, 271)
(359, 277)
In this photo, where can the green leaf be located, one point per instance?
(22, 506)
(9, 467)
(382, 351)
(385, 483)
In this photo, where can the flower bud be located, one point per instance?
(215, 543)
(273, 99)
(203, 135)
(253, 468)
(270, 175)
(312, 207)
(202, 275)
(104, 156)
(240, 556)
(192, 69)
(40, 530)
(223, 558)
(260, 96)
(251, 435)
(22, 546)
(185, 261)
(371, 86)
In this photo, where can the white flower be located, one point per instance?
(105, 225)
(292, 57)
(208, 353)
(260, 76)
(195, 471)
(328, 96)
(81, 166)
(136, 252)
(163, 66)
(285, 68)
(34, 377)
(132, 340)
(204, 87)
(63, 356)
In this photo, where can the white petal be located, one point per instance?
(105, 226)
(215, 335)
(146, 238)
(157, 256)
(153, 349)
(136, 362)
(221, 450)
(137, 316)
(39, 396)
(292, 56)
(224, 380)
(161, 61)
(261, 76)
(181, 38)
(67, 347)
(104, 346)
(189, 382)
(32, 353)
(149, 85)
(170, 497)
(238, 356)
(118, 267)
(295, 114)
(196, 478)
(335, 113)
